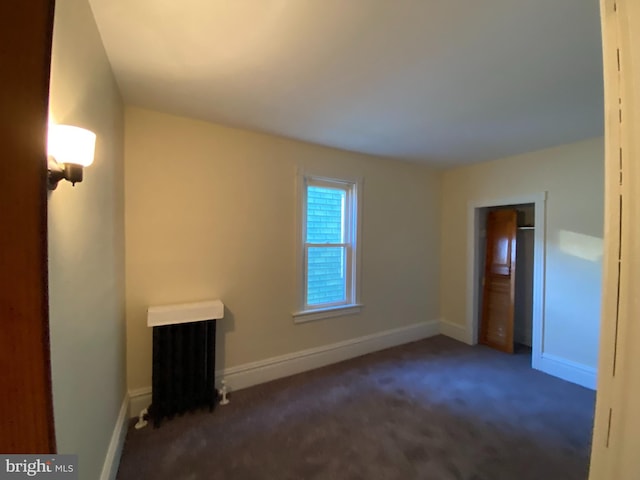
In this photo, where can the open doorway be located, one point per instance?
(529, 316)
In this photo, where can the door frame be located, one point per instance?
(474, 261)
(617, 424)
(27, 422)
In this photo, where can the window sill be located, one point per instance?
(321, 313)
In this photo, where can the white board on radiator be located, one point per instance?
(184, 313)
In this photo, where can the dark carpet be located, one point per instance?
(433, 409)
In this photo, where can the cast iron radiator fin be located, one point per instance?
(184, 351)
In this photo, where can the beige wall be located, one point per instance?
(86, 247)
(210, 213)
(572, 175)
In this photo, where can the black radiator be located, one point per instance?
(183, 369)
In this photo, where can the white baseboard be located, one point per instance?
(567, 370)
(112, 459)
(254, 373)
(548, 363)
(262, 371)
(457, 332)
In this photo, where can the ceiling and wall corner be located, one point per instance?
(443, 83)
(409, 80)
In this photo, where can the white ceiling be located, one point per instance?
(441, 81)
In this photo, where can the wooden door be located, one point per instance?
(496, 328)
(26, 412)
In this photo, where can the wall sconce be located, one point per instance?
(72, 149)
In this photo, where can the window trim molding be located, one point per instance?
(327, 312)
(304, 313)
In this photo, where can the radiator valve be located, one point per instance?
(142, 419)
(223, 393)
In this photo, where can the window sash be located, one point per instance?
(348, 275)
(345, 225)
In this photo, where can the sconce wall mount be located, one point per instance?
(70, 150)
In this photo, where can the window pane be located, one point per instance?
(325, 207)
(326, 275)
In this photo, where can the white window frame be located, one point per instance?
(351, 242)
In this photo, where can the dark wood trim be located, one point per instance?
(26, 418)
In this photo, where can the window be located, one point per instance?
(328, 250)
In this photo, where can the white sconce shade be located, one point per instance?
(70, 150)
(69, 144)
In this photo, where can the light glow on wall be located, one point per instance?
(586, 247)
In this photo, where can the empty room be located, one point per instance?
(302, 239)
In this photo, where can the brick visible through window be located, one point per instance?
(325, 265)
